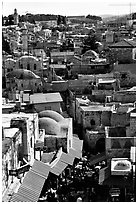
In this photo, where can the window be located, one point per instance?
(28, 66)
(34, 66)
(8, 70)
(124, 76)
(31, 143)
(35, 84)
(21, 85)
(21, 66)
(92, 122)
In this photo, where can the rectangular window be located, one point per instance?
(31, 142)
(28, 66)
(34, 66)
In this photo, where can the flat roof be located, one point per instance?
(95, 108)
(10, 132)
(45, 98)
(106, 81)
(6, 118)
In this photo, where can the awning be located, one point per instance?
(98, 158)
(77, 144)
(30, 189)
(58, 168)
(75, 153)
(18, 198)
(67, 158)
(41, 168)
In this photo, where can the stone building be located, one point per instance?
(57, 131)
(47, 101)
(30, 63)
(117, 143)
(10, 155)
(28, 125)
(124, 51)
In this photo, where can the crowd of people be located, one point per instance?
(78, 183)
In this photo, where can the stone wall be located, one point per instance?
(120, 119)
(124, 55)
(88, 116)
(100, 118)
(53, 143)
(125, 97)
(91, 137)
(48, 106)
(119, 146)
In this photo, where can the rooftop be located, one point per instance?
(6, 118)
(45, 98)
(124, 43)
(95, 108)
(106, 81)
(10, 132)
(54, 54)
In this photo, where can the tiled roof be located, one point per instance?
(124, 43)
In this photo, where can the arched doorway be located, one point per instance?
(100, 145)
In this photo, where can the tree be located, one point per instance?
(90, 43)
(96, 18)
(5, 45)
(11, 20)
(59, 20)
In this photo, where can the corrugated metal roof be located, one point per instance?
(28, 193)
(47, 157)
(18, 198)
(67, 158)
(30, 189)
(75, 153)
(34, 181)
(58, 168)
(41, 168)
